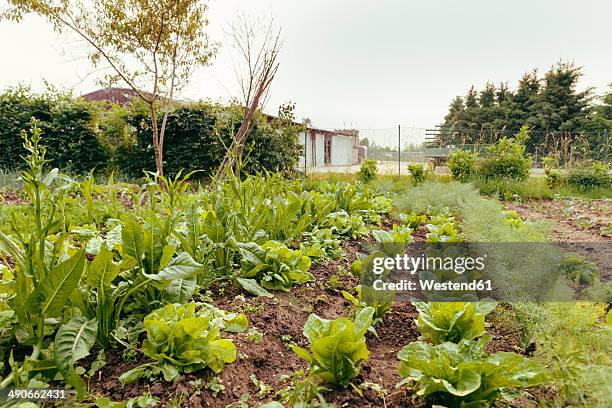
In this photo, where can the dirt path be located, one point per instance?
(576, 225)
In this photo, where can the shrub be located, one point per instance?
(462, 165)
(586, 178)
(418, 172)
(553, 177)
(197, 135)
(67, 124)
(368, 171)
(506, 159)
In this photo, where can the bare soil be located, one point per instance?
(573, 223)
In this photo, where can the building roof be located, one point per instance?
(113, 95)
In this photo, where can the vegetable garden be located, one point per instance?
(246, 292)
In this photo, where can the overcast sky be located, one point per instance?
(364, 64)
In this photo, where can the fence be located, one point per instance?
(395, 147)
(568, 148)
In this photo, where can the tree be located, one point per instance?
(152, 46)
(487, 96)
(258, 45)
(471, 99)
(559, 106)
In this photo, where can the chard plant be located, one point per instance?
(337, 347)
(45, 273)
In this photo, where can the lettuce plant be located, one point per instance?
(344, 225)
(452, 321)
(413, 220)
(400, 235)
(462, 375)
(320, 242)
(272, 266)
(337, 347)
(181, 340)
(446, 232)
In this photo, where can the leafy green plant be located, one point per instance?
(337, 346)
(579, 270)
(181, 340)
(320, 242)
(507, 159)
(413, 220)
(400, 235)
(45, 272)
(589, 178)
(303, 392)
(462, 165)
(272, 266)
(418, 172)
(380, 301)
(445, 232)
(462, 375)
(452, 321)
(344, 225)
(553, 177)
(368, 171)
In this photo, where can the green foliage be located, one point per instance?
(181, 340)
(273, 266)
(462, 375)
(579, 270)
(380, 301)
(344, 225)
(548, 103)
(368, 171)
(452, 321)
(72, 343)
(337, 346)
(462, 165)
(590, 178)
(303, 392)
(413, 220)
(68, 124)
(507, 159)
(418, 172)
(399, 235)
(320, 243)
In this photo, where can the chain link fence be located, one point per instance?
(395, 147)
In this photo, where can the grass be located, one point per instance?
(535, 188)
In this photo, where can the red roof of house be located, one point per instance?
(113, 95)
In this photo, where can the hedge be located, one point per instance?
(81, 135)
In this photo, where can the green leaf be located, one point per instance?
(49, 298)
(72, 342)
(132, 239)
(180, 290)
(181, 267)
(102, 270)
(251, 286)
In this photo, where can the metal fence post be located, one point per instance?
(399, 150)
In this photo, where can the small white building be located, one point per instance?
(329, 148)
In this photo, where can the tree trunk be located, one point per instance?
(157, 148)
